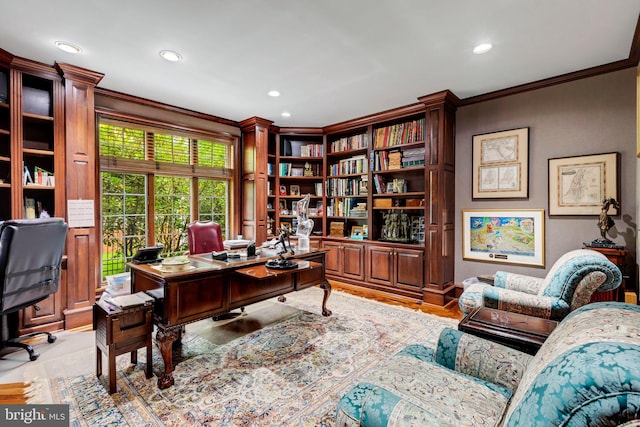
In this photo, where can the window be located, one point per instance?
(151, 182)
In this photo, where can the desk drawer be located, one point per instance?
(244, 290)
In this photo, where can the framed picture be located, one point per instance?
(295, 190)
(357, 230)
(285, 224)
(283, 190)
(578, 185)
(504, 236)
(501, 165)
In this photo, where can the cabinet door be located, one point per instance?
(332, 258)
(380, 265)
(353, 261)
(409, 268)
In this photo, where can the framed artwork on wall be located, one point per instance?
(504, 236)
(501, 165)
(578, 185)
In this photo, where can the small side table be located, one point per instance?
(519, 331)
(120, 331)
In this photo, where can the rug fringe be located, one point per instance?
(38, 391)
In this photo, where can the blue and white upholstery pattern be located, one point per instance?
(586, 373)
(569, 285)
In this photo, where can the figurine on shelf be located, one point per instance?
(307, 169)
(605, 223)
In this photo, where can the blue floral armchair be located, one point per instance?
(585, 374)
(569, 284)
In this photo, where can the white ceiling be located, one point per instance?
(332, 60)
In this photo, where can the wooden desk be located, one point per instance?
(208, 288)
(519, 331)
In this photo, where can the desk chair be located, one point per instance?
(204, 236)
(30, 259)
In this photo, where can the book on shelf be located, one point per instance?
(26, 176)
(395, 160)
(29, 208)
(380, 183)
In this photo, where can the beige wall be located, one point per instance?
(589, 116)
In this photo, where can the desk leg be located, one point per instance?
(326, 286)
(165, 339)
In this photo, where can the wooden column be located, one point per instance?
(255, 140)
(440, 188)
(83, 243)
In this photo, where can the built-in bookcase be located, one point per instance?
(347, 185)
(299, 171)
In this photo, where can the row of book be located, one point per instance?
(349, 143)
(352, 165)
(347, 186)
(39, 177)
(352, 207)
(397, 185)
(398, 159)
(399, 134)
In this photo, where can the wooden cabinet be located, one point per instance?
(47, 156)
(622, 259)
(31, 162)
(389, 176)
(395, 267)
(344, 259)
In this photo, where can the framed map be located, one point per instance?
(504, 236)
(501, 165)
(578, 185)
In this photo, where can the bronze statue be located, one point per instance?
(604, 220)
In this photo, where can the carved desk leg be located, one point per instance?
(166, 339)
(326, 286)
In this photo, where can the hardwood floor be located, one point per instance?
(451, 310)
(15, 393)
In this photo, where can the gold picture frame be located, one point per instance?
(579, 184)
(504, 236)
(294, 190)
(501, 165)
(357, 230)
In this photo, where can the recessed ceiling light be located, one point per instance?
(273, 93)
(286, 114)
(68, 47)
(170, 55)
(482, 48)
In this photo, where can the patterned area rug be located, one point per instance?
(291, 372)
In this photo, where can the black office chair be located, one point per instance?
(30, 259)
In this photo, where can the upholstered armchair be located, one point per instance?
(571, 281)
(585, 374)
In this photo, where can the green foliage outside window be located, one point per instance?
(125, 194)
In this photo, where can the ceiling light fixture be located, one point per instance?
(482, 48)
(273, 93)
(67, 47)
(170, 55)
(286, 114)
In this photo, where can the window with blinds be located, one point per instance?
(186, 175)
